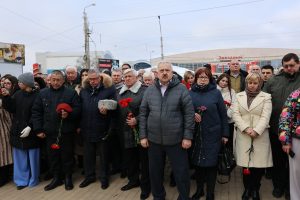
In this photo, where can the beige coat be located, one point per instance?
(259, 113)
(5, 147)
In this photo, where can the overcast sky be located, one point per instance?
(130, 29)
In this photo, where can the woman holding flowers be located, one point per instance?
(251, 115)
(211, 130)
(228, 94)
(130, 98)
(289, 135)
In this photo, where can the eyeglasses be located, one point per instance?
(203, 77)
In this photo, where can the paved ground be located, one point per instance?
(229, 191)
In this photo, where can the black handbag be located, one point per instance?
(226, 163)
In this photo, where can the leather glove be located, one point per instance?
(25, 132)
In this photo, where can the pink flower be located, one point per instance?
(282, 136)
(295, 94)
(294, 104)
(284, 114)
(298, 130)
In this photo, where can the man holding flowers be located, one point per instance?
(130, 98)
(53, 115)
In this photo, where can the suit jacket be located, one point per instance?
(256, 117)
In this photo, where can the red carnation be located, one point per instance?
(227, 103)
(246, 171)
(125, 102)
(55, 146)
(63, 106)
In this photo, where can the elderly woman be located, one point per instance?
(228, 94)
(212, 128)
(252, 112)
(289, 135)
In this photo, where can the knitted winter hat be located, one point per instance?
(27, 79)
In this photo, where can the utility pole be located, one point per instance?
(86, 38)
(161, 40)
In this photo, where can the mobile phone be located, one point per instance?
(292, 154)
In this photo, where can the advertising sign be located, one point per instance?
(108, 64)
(12, 53)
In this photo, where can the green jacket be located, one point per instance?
(280, 87)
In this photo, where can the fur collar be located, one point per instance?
(135, 88)
(106, 81)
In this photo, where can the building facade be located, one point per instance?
(50, 61)
(220, 58)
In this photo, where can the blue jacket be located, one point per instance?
(94, 125)
(214, 125)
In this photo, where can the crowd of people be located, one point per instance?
(136, 121)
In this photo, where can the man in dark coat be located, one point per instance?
(94, 125)
(237, 76)
(134, 154)
(57, 126)
(166, 128)
(280, 87)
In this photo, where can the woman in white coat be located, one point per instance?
(251, 115)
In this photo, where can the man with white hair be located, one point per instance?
(154, 71)
(131, 94)
(72, 77)
(166, 128)
(148, 78)
(254, 69)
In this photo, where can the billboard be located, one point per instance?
(108, 64)
(12, 53)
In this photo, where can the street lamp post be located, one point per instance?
(86, 37)
(161, 40)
